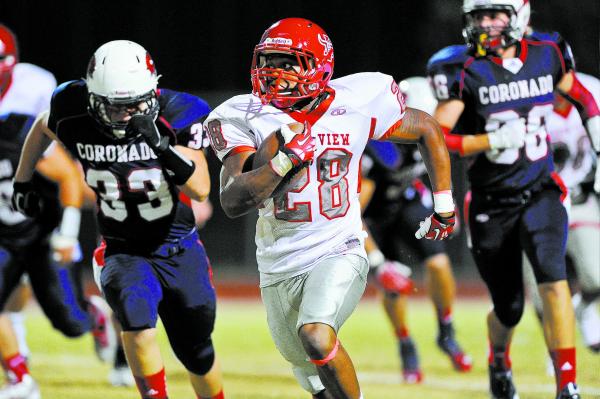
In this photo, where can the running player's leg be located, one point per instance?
(188, 311)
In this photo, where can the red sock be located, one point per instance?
(152, 386)
(445, 315)
(499, 357)
(402, 333)
(564, 366)
(16, 367)
(217, 396)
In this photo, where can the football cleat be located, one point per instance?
(25, 389)
(394, 277)
(588, 321)
(448, 344)
(121, 377)
(105, 337)
(570, 391)
(501, 384)
(411, 371)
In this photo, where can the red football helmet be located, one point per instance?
(312, 49)
(9, 56)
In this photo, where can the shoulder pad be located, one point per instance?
(181, 109)
(362, 87)
(456, 54)
(545, 37)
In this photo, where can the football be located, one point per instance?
(268, 149)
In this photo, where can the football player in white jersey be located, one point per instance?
(574, 160)
(310, 250)
(27, 89)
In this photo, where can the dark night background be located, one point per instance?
(205, 47)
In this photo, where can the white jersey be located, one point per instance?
(29, 92)
(567, 133)
(322, 217)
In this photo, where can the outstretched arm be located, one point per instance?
(38, 139)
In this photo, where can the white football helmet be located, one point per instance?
(418, 94)
(518, 11)
(121, 80)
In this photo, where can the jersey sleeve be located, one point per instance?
(69, 99)
(185, 114)
(228, 135)
(444, 69)
(383, 102)
(564, 50)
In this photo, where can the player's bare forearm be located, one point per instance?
(421, 128)
(38, 139)
(59, 167)
(197, 187)
(242, 192)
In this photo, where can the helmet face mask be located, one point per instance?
(487, 39)
(114, 114)
(292, 62)
(121, 81)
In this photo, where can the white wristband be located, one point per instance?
(443, 202)
(376, 258)
(71, 220)
(281, 164)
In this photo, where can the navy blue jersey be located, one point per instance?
(496, 90)
(138, 204)
(16, 230)
(397, 171)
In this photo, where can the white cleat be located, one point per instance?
(26, 389)
(121, 377)
(588, 321)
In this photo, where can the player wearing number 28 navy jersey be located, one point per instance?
(495, 92)
(138, 146)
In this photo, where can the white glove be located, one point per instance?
(510, 135)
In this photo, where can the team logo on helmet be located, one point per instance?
(325, 42)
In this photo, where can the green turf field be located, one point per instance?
(68, 369)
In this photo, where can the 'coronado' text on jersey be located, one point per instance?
(525, 88)
(115, 153)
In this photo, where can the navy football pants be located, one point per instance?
(502, 228)
(53, 286)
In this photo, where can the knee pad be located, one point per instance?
(198, 358)
(510, 313)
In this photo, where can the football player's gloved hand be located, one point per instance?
(179, 166)
(391, 276)
(510, 135)
(25, 199)
(436, 227)
(299, 147)
(65, 249)
(145, 126)
(296, 150)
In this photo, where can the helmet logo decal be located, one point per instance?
(325, 42)
(150, 64)
(279, 41)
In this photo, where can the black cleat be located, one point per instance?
(501, 384)
(447, 343)
(411, 371)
